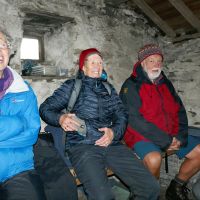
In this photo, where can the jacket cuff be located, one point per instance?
(183, 140)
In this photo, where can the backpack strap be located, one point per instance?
(166, 163)
(72, 100)
(107, 86)
(75, 92)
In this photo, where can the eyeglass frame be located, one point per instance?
(5, 45)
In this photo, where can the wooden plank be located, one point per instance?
(155, 17)
(186, 13)
(108, 171)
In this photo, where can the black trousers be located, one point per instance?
(90, 162)
(24, 186)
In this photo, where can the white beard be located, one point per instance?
(155, 73)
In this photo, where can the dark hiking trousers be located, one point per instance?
(90, 162)
(24, 186)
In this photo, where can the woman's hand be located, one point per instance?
(68, 122)
(107, 137)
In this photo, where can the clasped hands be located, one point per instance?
(68, 123)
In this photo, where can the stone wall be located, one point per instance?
(183, 68)
(118, 32)
(12, 24)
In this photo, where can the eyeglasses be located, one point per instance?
(4, 46)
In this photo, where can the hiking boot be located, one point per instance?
(176, 191)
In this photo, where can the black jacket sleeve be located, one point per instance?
(51, 109)
(131, 99)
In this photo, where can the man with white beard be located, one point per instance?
(158, 121)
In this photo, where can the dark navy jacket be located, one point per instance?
(94, 105)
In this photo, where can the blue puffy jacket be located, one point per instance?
(94, 105)
(19, 127)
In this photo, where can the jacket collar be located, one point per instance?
(90, 80)
(18, 84)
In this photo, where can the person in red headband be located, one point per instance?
(99, 146)
(157, 120)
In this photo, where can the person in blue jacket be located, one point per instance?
(19, 127)
(94, 129)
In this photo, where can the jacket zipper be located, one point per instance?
(99, 103)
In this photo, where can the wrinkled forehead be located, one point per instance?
(3, 37)
(154, 57)
(94, 57)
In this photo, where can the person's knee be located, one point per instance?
(153, 159)
(194, 154)
(197, 150)
(26, 185)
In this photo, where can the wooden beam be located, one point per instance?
(155, 17)
(186, 13)
(186, 37)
